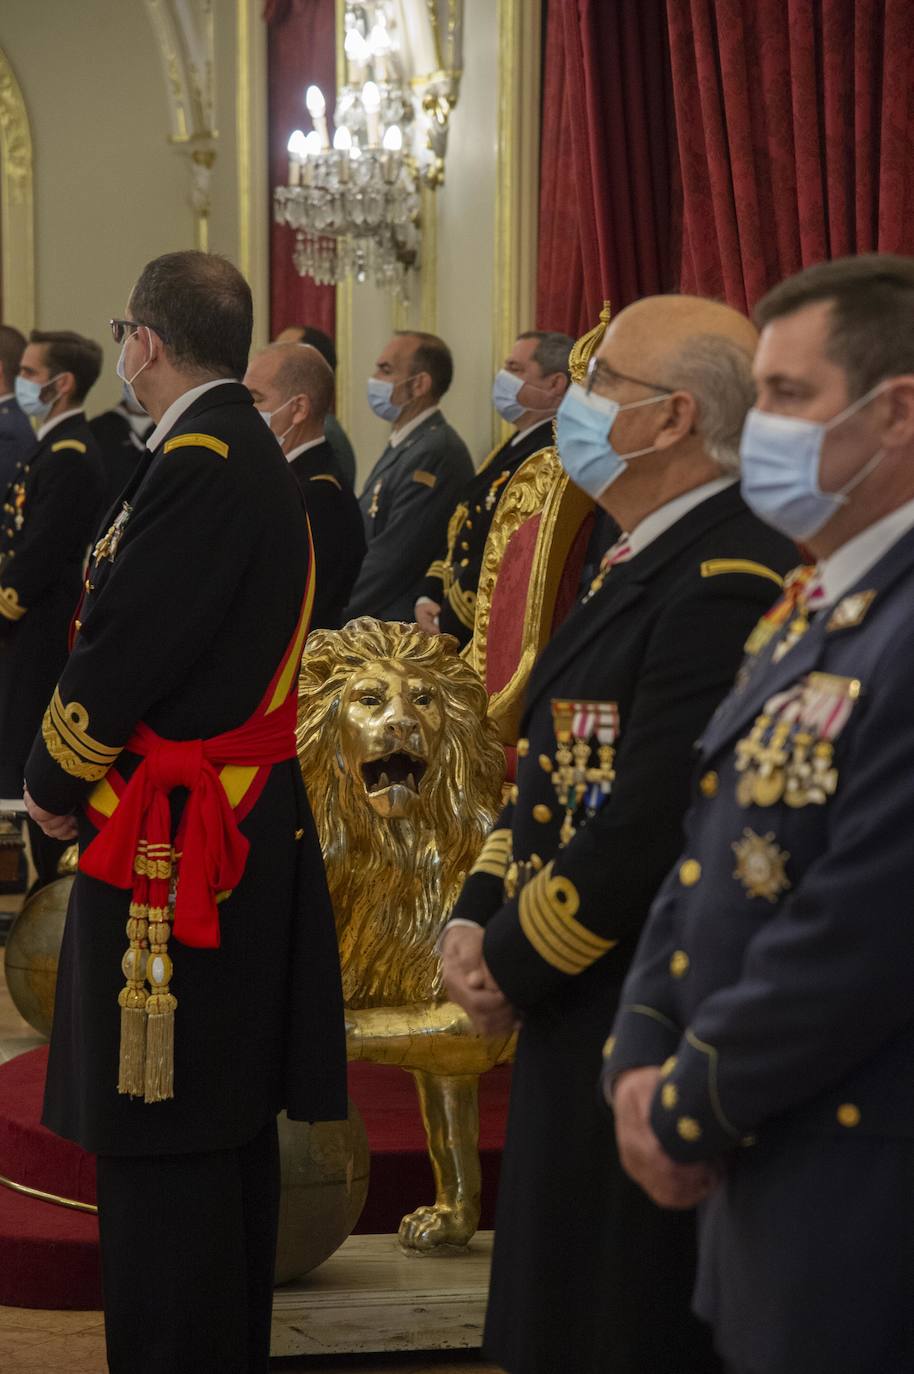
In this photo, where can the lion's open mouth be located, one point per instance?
(391, 770)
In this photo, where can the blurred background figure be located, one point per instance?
(121, 434)
(336, 435)
(16, 434)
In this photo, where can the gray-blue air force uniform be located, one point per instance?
(775, 984)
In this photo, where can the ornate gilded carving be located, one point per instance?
(17, 229)
(404, 772)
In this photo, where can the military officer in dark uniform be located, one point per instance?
(121, 436)
(292, 387)
(588, 1274)
(337, 437)
(50, 511)
(16, 434)
(766, 1028)
(526, 393)
(412, 488)
(169, 744)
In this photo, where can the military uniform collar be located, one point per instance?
(48, 425)
(397, 436)
(178, 408)
(305, 448)
(662, 519)
(838, 573)
(523, 435)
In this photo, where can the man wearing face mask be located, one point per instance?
(198, 991)
(337, 437)
(588, 1274)
(16, 434)
(292, 387)
(50, 511)
(526, 393)
(787, 1046)
(412, 487)
(120, 434)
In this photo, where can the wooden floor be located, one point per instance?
(40, 1342)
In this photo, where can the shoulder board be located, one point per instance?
(715, 567)
(76, 445)
(325, 477)
(197, 441)
(428, 479)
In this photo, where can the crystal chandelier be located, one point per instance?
(354, 202)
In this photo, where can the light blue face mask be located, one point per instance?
(505, 390)
(379, 394)
(781, 458)
(28, 396)
(583, 429)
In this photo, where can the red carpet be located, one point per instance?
(48, 1254)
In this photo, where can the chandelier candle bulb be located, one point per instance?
(317, 109)
(358, 54)
(371, 103)
(298, 151)
(379, 45)
(342, 143)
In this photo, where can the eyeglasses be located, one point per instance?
(597, 370)
(121, 328)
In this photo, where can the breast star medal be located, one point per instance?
(761, 865)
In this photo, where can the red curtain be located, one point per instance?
(301, 50)
(795, 124)
(607, 170)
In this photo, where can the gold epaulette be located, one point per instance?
(76, 445)
(67, 739)
(325, 477)
(9, 604)
(714, 567)
(197, 441)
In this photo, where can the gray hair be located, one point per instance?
(717, 373)
(552, 352)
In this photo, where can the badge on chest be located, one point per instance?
(107, 546)
(583, 773)
(788, 756)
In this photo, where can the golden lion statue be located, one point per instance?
(403, 771)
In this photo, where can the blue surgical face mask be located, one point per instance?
(583, 428)
(28, 396)
(781, 458)
(505, 390)
(379, 394)
(122, 372)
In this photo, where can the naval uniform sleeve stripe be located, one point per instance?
(583, 951)
(540, 940)
(75, 444)
(714, 567)
(68, 721)
(9, 604)
(463, 604)
(197, 441)
(495, 855)
(713, 1091)
(654, 1015)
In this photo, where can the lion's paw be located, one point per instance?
(429, 1228)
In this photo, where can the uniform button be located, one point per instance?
(512, 792)
(668, 1066)
(679, 963)
(469, 523)
(299, 833)
(848, 1114)
(709, 784)
(687, 1128)
(542, 813)
(464, 562)
(609, 1046)
(464, 544)
(689, 872)
(545, 763)
(523, 748)
(77, 625)
(669, 1096)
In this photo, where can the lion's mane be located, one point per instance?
(393, 882)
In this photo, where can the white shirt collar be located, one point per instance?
(7, 396)
(303, 448)
(653, 525)
(839, 572)
(522, 434)
(178, 407)
(58, 419)
(398, 435)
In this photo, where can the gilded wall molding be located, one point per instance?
(17, 213)
(517, 179)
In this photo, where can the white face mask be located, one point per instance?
(267, 416)
(121, 372)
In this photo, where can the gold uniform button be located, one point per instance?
(299, 833)
(513, 792)
(709, 784)
(679, 963)
(542, 814)
(523, 748)
(689, 872)
(668, 1066)
(545, 763)
(609, 1047)
(688, 1128)
(669, 1095)
(848, 1114)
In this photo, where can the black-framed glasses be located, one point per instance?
(121, 328)
(597, 370)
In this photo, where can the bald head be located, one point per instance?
(688, 344)
(293, 383)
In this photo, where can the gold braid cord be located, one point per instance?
(146, 1064)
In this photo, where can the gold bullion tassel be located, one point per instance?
(160, 1011)
(131, 1069)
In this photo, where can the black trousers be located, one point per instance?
(188, 1248)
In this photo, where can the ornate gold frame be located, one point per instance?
(17, 205)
